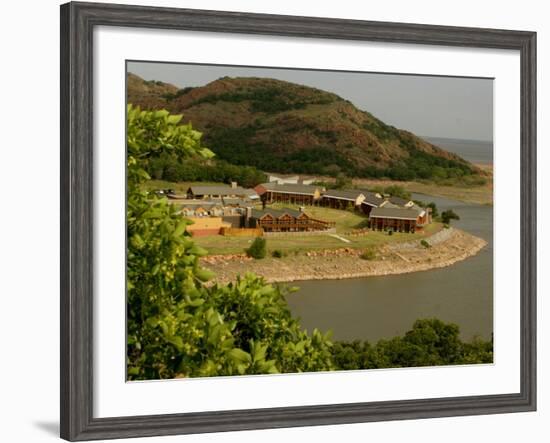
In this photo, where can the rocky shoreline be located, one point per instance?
(445, 248)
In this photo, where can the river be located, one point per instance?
(383, 307)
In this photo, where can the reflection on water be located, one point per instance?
(383, 307)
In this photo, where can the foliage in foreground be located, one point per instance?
(430, 342)
(177, 325)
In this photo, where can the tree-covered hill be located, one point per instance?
(290, 128)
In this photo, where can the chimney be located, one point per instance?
(234, 185)
(248, 217)
(302, 208)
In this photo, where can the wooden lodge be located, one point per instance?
(399, 219)
(289, 193)
(285, 220)
(339, 199)
(372, 200)
(220, 191)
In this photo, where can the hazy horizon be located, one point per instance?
(429, 106)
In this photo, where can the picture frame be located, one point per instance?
(78, 21)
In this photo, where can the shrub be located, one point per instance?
(257, 249)
(277, 253)
(368, 254)
(425, 244)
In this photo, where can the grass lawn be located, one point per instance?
(296, 244)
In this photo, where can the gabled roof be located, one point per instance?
(387, 204)
(398, 201)
(348, 194)
(371, 198)
(217, 190)
(291, 188)
(250, 193)
(418, 209)
(275, 213)
(232, 201)
(396, 213)
(200, 203)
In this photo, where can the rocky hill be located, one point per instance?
(286, 127)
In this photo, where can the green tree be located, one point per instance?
(176, 325)
(430, 342)
(397, 191)
(257, 249)
(342, 182)
(448, 215)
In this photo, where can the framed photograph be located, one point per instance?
(274, 221)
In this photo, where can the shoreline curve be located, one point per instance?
(447, 247)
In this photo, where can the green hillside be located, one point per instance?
(284, 127)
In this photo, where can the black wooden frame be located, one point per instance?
(77, 23)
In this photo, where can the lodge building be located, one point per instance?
(399, 219)
(234, 207)
(221, 191)
(285, 220)
(289, 193)
(372, 200)
(339, 199)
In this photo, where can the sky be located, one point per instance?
(430, 106)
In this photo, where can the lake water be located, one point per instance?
(383, 307)
(475, 151)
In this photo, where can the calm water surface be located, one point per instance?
(383, 307)
(476, 151)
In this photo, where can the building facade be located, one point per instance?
(284, 220)
(339, 199)
(294, 194)
(399, 219)
(220, 191)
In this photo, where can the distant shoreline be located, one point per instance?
(447, 247)
(481, 195)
